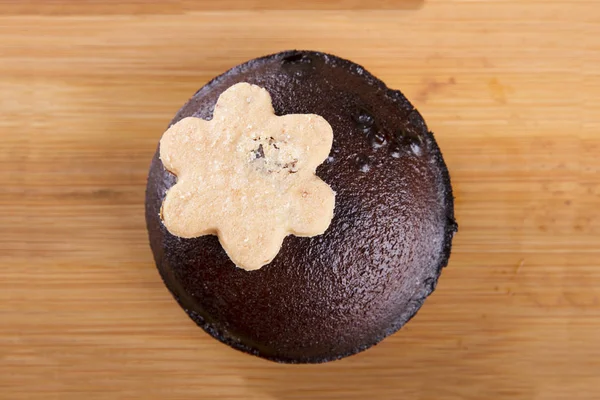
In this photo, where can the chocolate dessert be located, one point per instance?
(376, 216)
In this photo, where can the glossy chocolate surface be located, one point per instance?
(333, 295)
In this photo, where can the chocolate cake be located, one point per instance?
(334, 294)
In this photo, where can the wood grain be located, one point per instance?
(511, 90)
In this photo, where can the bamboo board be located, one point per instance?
(511, 90)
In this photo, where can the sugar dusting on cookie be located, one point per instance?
(247, 176)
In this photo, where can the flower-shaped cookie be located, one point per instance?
(247, 176)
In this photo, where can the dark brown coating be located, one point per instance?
(333, 295)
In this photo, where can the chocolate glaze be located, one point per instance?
(333, 295)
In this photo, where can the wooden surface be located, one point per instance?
(511, 90)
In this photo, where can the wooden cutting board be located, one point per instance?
(511, 89)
